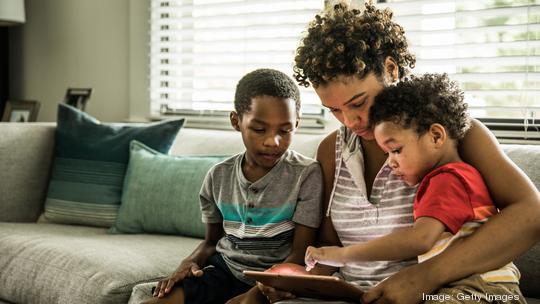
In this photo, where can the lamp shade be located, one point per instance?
(11, 12)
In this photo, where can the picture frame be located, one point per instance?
(21, 111)
(78, 97)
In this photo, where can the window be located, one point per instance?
(491, 47)
(201, 48)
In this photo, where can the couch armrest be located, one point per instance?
(26, 151)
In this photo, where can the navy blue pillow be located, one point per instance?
(90, 163)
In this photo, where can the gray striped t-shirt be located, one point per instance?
(259, 218)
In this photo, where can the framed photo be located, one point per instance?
(77, 97)
(21, 111)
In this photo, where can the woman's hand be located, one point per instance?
(331, 256)
(408, 286)
(186, 269)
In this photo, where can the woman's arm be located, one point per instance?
(494, 244)
(327, 236)
(326, 155)
(516, 196)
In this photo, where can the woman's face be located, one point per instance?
(350, 99)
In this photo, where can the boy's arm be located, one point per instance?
(199, 256)
(303, 237)
(190, 266)
(399, 245)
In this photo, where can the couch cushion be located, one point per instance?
(161, 193)
(49, 263)
(526, 157)
(25, 159)
(90, 163)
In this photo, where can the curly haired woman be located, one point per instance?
(418, 123)
(349, 56)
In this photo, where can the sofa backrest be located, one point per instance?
(222, 142)
(25, 161)
(527, 157)
(26, 151)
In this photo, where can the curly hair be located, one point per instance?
(264, 82)
(420, 101)
(346, 41)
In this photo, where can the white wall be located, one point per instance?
(101, 44)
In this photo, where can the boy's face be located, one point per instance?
(409, 155)
(266, 129)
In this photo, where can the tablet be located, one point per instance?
(310, 286)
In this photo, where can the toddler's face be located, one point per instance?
(409, 155)
(267, 129)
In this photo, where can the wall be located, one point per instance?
(101, 44)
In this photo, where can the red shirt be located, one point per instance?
(454, 194)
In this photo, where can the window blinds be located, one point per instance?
(491, 47)
(201, 48)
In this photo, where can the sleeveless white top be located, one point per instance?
(358, 219)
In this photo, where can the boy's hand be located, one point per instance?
(274, 295)
(186, 269)
(331, 256)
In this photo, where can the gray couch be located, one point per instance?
(49, 263)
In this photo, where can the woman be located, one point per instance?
(348, 56)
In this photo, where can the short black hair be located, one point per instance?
(347, 41)
(267, 82)
(419, 102)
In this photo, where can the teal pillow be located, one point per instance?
(161, 193)
(90, 163)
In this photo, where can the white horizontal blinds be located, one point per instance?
(492, 47)
(201, 48)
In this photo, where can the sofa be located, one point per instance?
(42, 262)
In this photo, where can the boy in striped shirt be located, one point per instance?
(261, 207)
(418, 123)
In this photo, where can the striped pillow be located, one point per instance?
(90, 163)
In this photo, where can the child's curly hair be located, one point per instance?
(264, 82)
(346, 41)
(420, 101)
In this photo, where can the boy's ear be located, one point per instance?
(438, 134)
(235, 120)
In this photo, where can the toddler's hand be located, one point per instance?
(331, 256)
(186, 269)
(311, 257)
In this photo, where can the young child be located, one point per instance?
(418, 123)
(261, 207)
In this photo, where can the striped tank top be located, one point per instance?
(358, 219)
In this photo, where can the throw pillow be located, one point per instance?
(161, 193)
(90, 163)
